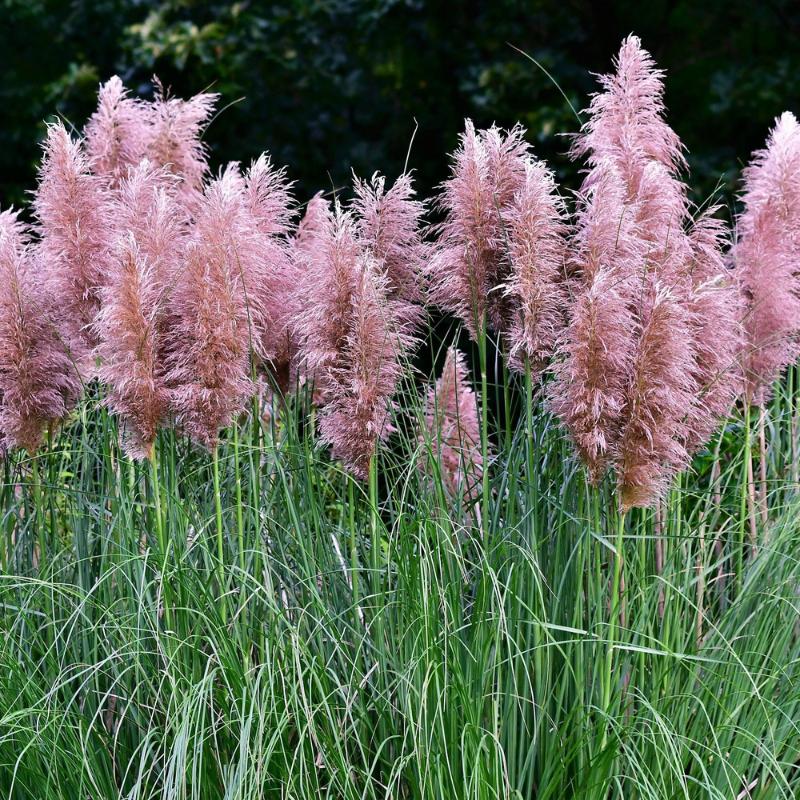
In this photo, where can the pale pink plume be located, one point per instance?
(659, 395)
(717, 337)
(38, 381)
(536, 229)
(269, 203)
(452, 419)
(117, 133)
(368, 371)
(767, 252)
(471, 261)
(318, 211)
(390, 223)
(76, 235)
(174, 139)
(209, 363)
(135, 329)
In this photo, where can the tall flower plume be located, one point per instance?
(389, 222)
(117, 133)
(472, 261)
(174, 139)
(352, 340)
(766, 253)
(536, 234)
(647, 404)
(38, 381)
(71, 206)
(453, 427)
(134, 330)
(209, 366)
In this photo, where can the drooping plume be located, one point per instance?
(390, 224)
(135, 330)
(536, 234)
(472, 259)
(38, 381)
(209, 366)
(766, 253)
(174, 139)
(72, 209)
(117, 133)
(352, 339)
(453, 428)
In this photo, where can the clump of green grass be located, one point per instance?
(441, 658)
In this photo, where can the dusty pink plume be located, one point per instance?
(352, 340)
(537, 244)
(452, 419)
(318, 211)
(117, 133)
(269, 203)
(659, 395)
(134, 328)
(72, 208)
(471, 260)
(209, 363)
(390, 223)
(174, 141)
(38, 381)
(766, 253)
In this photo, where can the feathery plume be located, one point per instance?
(318, 212)
(134, 329)
(471, 261)
(536, 232)
(116, 134)
(38, 381)
(453, 427)
(209, 363)
(173, 139)
(766, 253)
(269, 204)
(390, 223)
(71, 206)
(659, 395)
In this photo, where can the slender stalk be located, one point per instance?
(239, 519)
(484, 434)
(373, 520)
(38, 516)
(220, 549)
(746, 510)
(351, 502)
(163, 543)
(762, 454)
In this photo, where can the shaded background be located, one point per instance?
(330, 85)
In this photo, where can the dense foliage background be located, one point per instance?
(330, 85)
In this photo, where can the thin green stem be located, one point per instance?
(220, 547)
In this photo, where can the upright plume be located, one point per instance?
(38, 382)
(117, 133)
(453, 428)
(766, 252)
(72, 209)
(352, 339)
(472, 261)
(134, 330)
(647, 279)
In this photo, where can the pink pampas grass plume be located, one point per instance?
(116, 135)
(71, 206)
(173, 139)
(536, 233)
(714, 306)
(134, 327)
(38, 381)
(390, 222)
(318, 212)
(452, 420)
(269, 204)
(471, 260)
(357, 415)
(209, 362)
(658, 397)
(766, 253)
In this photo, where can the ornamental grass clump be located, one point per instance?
(452, 429)
(39, 383)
